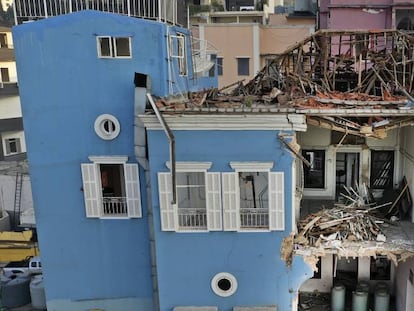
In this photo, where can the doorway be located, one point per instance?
(347, 171)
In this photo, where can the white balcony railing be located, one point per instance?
(254, 218)
(192, 218)
(114, 206)
(160, 10)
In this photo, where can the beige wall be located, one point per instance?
(232, 41)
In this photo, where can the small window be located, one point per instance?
(213, 59)
(219, 66)
(111, 188)
(314, 175)
(114, 47)
(107, 127)
(243, 66)
(5, 77)
(12, 146)
(253, 197)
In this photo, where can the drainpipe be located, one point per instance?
(171, 138)
(142, 87)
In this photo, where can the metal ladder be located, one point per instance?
(17, 198)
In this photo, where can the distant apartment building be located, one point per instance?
(246, 40)
(381, 14)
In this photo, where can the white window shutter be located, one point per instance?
(231, 202)
(169, 217)
(91, 190)
(133, 191)
(276, 201)
(213, 202)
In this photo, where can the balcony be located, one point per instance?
(254, 218)
(114, 207)
(160, 10)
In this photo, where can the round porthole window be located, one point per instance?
(107, 126)
(224, 284)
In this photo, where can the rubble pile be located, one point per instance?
(339, 224)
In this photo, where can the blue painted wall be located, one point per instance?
(64, 87)
(188, 261)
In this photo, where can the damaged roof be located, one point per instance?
(356, 82)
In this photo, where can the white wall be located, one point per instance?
(404, 288)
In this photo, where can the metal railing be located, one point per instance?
(192, 218)
(160, 10)
(254, 218)
(114, 206)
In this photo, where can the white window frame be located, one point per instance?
(7, 142)
(92, 187)
(179, 51)
(112, 47)
(231, 196)
(107, 126)
(169, 211)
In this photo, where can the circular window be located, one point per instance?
(107, 126)
(224, 284)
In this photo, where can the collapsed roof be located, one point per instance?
(356, 82)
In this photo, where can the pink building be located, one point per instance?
(366, 14)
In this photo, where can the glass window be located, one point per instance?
(118, 47)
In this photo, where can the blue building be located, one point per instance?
(146, 200)
(76, 79)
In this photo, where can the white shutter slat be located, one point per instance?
(91, 190)
(231, 202)
(213, 202)
(276, 201)
(133, 191)
(168, 213)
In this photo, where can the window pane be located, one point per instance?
(122, 47)
(254, 200)
(220, 66)
(105, 47)
(243, 66)
(314, 175)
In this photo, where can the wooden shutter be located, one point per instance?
(133, 190)
(213, 202)
(276, 201)
(231, 202)
(91, 191)
(169, 217)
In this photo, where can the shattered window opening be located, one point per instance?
(314, 175)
